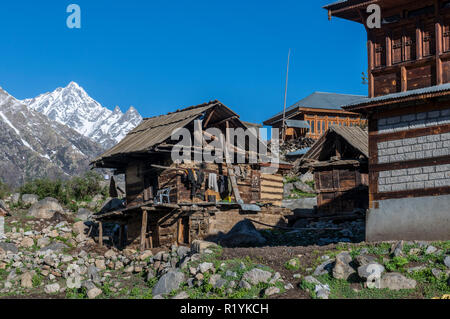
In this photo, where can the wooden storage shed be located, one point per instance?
(339, 161)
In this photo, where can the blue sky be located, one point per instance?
(162, 55)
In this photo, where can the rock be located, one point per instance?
(52, 288)
(272, 291)
(110, 254)
(294, 263)
(417, 268)
(27, 242)
(245, 285)
(79, 228)
(55, 247)
(305, 188)
(197, 246)
(26, 280)
(256, 275)
(182, 295)
(287, 190)
(15, 198)
(243, 234)
(396, 281)
(322, 291)
(9, 247)
(93, 274)
(397, 249)
(437, 273)
(365, 271)
(216, 281)
(73, 282)
(168, 282)
(415, 251)
(311, 280)
(447, 261)
(150, 275)
(94, 293)
(205, 267)
(431, 250)
(342, 268)
(29, 199)
(324, 268)
(45, 209)
(42, 242)
(231, 274)
(146, 254)
(88, 284)
(83, 214)
(363, 260)
(183, 251)
(100, 264)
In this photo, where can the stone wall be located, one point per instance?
(413, 121)
(414, 178)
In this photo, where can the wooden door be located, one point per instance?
(183, 230)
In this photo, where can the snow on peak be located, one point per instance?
(73, 107)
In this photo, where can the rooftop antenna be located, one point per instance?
(283, 131)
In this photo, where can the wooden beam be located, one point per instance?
(143, 229)
(438, 35)
(209, 118)
(404, 79)
(100, 234)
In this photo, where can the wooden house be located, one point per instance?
(171, 202)
(409, 117)
(313, 115)
(339, 162)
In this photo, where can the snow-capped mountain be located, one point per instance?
(73, 107)
(32, 145)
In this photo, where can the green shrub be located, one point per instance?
(4, 190)
(66, 191)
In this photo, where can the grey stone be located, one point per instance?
(364, 259)
(205, 267)
(93, 274)
(397, 250)
(168, 282)
(29, 199)
(272, 291)
(437, 273)
(182, 295)
(243, 234)
(342, 268)
(245, 285)
(15, 198)
(73, 281)
(303, 187)
(197, 246)
(447, 261)
(322, 291)
(431, 250)
(88, 284)
(396, 281)
(45, 209)
(84, 214)
(366, 270)
(94, 293)
(56, 247)
(42, 242)
(230, 273)
(256, 276)
(183, 251)
(9, 247)
(52, 288)
(324, 268)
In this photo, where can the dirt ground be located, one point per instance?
(276, 257)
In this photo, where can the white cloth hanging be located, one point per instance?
(212, 182)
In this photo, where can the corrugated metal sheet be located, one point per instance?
(297, 124)
(155, 130)
(400, 95)
(354, 135)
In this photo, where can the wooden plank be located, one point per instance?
(413, 193)
(100, 234)
(268, 177)
(272, 190)
(274, 184)
(442, 160)
(143, 230)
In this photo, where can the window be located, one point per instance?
(429, 46)
(446, 38)
(403, 45)
(380, 51)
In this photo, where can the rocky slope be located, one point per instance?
(32, 145)
(73, 107)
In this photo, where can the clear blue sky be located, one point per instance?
(161, 55)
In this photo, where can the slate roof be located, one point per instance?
(323, 100)
(354, 135)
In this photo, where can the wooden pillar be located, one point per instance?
(438, 34)
(100, 234)
(419, 43)
(143, 229)
(404, 79)
(388, 50)
(370, 50)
